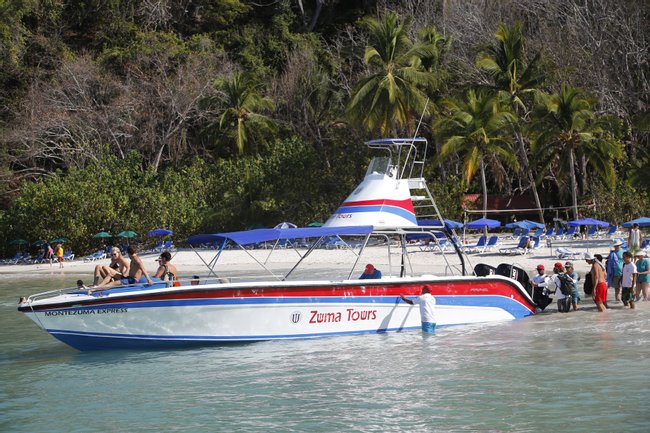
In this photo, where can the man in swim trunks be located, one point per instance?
(427, 304)
(166, 271)
(599, 278)
(137, 272)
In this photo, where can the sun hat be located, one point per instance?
(640, 253)
(540, 267)
(617, 242)
(568, 265)
(589, 256)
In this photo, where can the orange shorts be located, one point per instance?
(600, 292)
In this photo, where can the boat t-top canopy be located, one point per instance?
(249, 237)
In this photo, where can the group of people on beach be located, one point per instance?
(627, 272)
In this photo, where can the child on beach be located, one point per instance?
(628, 280)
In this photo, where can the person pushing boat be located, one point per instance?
(427, 304)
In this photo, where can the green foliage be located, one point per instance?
(621, 202)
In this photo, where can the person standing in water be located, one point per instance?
(427, 304)
(599, 279)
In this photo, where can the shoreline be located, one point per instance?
(189, 263)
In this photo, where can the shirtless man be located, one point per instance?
(137, 272)
(599, 279)
(118, 268)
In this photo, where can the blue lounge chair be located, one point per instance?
(521, 247)
(611, 232)
(559, 233)
(14, 259)
(480, 245)
(548, 233)
(539, 233)
(69, 255)
(492, 243)
(570, 233)
(592, 232)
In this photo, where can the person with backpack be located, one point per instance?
(563, 288)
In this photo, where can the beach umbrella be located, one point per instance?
(285, 225)
(39, 243)
(102, 235)
(315, 224)
(587, 222)
(482, 223)
(18, 242)
(160, 232)
(642, 222)
(127, 234)
(450, 224)
(60, 240)
(525, 224)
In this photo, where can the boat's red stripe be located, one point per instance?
(406, 204)
(370, 289)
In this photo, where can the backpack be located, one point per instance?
(588, 286)
(566, 284)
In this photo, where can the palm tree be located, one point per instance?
(394, 93)
(515, 77)
(478, 127)
(566, 128)
(241, 104)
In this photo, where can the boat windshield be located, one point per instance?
(380, 165)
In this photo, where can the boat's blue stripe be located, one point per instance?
(382, 208)
(510, 305)
(98, 341)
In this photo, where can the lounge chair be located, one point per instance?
(69, 255)
(515, 234)
(492, 243)
(566, 253)
(91, 258)
(521, 247)
(611, 232)
(538, 233)
(548, 233)
(480, 245)
(592, 232)
(13, 260)
(570, 233)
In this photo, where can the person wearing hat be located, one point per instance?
(427, 304)
(166, 271)
(615, 268)
(370, 273)
(599, 279)
(575, 293)
(540, 280)
(643, 275)
(563, 288)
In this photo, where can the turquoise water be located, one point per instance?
(579, 372)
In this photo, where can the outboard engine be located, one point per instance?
(483, 270)
(538, 295)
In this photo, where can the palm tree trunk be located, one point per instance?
(574, 189)
(484, 185)
(529, 174)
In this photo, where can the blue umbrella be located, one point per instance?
(642, 222)
(482, 223)
(587, 222)
(160, 232)
(450, 224)
(525, 224)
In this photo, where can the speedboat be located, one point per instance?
(314, 297)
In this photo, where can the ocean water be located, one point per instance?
(578, 372)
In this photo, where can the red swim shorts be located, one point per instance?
(601, 292)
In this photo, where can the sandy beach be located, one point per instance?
(192, 262)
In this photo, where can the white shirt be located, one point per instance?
(541, 281)
(558, 293)
(629, 269)
(427, 304)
